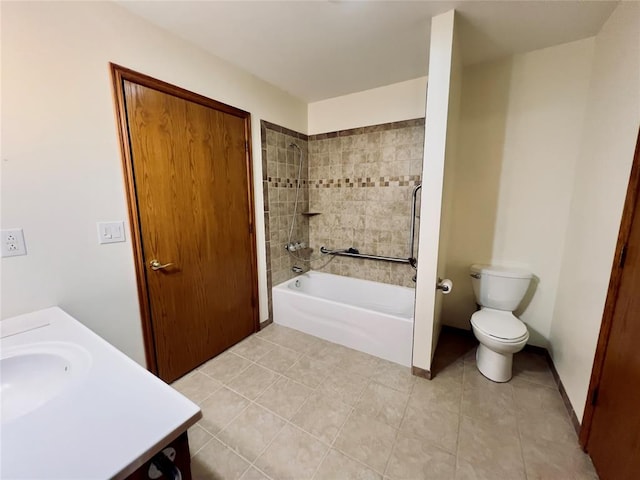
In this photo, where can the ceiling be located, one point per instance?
(323, 49)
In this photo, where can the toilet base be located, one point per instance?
(493, 365)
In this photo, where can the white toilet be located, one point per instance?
(498, 291)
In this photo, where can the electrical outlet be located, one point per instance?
(13, 242)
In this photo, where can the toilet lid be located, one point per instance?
(499, 324)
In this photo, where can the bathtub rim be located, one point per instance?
(283, 286)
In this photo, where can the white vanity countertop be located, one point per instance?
(105, 425)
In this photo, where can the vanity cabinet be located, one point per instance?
(140, 415)
(182, 460)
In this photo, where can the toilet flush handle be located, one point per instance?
(475, 275)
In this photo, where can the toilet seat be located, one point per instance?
(501, 325)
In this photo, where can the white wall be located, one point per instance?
(521, 125)
(601, 178)
(449, 191)
(391, 103)
(435, 142)
(61, 165)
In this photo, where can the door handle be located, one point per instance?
(156, 265)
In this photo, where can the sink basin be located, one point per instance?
(34, 374)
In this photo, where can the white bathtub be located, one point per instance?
(371, 317)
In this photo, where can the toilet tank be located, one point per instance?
(497, 287)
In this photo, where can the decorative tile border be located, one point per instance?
(388, 181)
(285, 182)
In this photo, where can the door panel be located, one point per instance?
(614, 438)
(192, 183)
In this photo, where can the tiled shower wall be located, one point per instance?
(360, 181)
(280, 163)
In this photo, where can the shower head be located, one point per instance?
(294, 145)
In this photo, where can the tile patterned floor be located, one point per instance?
(285, 405)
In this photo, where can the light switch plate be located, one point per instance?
(13, 243)
(110, 232)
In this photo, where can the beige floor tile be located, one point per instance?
(198, 438)
(466, 470)
(367, 440)
(445, 396)
(359, 363)
(474, 379)
(280, 359)
(294, 340)
(542, 415)
(251, 431)
(452, 347)
(413, 459)
(254, 474)
(308, 344)
(549, 426)
(470, 357)
(308, 372)
(225, 367)
(438, 426)
(496, 408)
(384, 403)
(330, 354)
(293, 455)
(394, 376)
(284, 397)
(253, 381)
(253, 348)
(215, 461)
(358, 400)
(536, 398)
(196, 386)
(532, 367)
(450, 375)
(344, 386)
(322, 416)
(549, 460)
(276, 333)
(337, 466)
(488, 453)
(220, 408)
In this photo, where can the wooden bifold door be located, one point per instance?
(187, 169)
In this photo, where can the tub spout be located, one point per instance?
(297, 269)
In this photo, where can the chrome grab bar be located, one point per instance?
(352, 252)
(414, 196)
